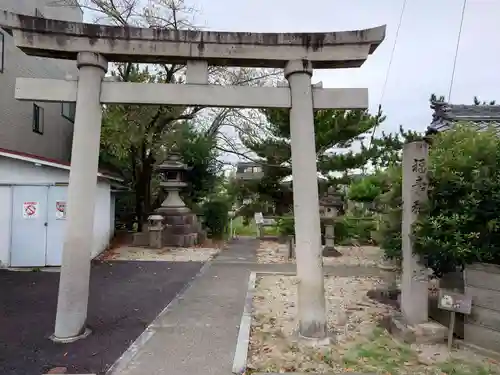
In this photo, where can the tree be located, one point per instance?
(135, 138)
(443, 152)
(335, 131)
(386, 151)
(459, 225)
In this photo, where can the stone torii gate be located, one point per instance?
(92, 46)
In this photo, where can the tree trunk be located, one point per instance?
(143, 187)
(147, 175)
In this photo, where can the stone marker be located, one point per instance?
(414, 280)
(413, 324)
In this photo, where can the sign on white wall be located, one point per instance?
(30, 210)
(258, 217)
(60, 210)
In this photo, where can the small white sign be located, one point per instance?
(30, 210)
(269, 222)
(60, 210)
(258, 217)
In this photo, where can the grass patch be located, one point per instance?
(382, 355)
(240, 229)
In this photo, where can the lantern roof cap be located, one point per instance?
(173, 162)
(332, 198)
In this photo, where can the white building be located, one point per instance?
(35, 150)
(32, 219)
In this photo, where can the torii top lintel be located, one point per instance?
(60, 39)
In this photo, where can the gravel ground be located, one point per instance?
(273, 252)
(358, 345)
(195, 254)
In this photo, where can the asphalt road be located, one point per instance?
(124, 298)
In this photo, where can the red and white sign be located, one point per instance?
(30, 210)
(60, 210)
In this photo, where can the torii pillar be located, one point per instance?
(75, 269)
(311, 290)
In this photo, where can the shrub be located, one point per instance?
(286, 226)
(354, 229)
(461, 222)
(216, 217)
(347, 229)
(388, 235)
(366, 189)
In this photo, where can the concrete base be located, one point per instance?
(424, 333)
(140, 239)
(180, 229)
(330, 251)
(68, 340)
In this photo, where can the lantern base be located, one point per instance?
(180, 227)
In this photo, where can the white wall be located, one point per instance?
(101, 218)
(19, 172)
(5, 214)
(112, 212)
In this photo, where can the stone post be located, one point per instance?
(75, 269)
(311, 293)
(155, 230)
(414, 281)
(329, 236)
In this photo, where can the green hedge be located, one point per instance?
(216, 217)
(460, 224)
(348, 229)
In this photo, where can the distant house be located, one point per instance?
(446, 115)
(249, 171)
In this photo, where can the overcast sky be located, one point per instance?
(424, 53)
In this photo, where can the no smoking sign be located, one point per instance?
(30, 210)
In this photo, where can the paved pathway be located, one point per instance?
(197, 334)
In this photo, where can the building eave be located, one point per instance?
(39, 160)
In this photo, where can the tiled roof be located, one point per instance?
(446, 115)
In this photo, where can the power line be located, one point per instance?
(389, 68)
(456, 49)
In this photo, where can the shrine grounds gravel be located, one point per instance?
(270, 252)
(359, 343)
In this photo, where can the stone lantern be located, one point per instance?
(331, 207)
(180, 225)
(172, 173)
